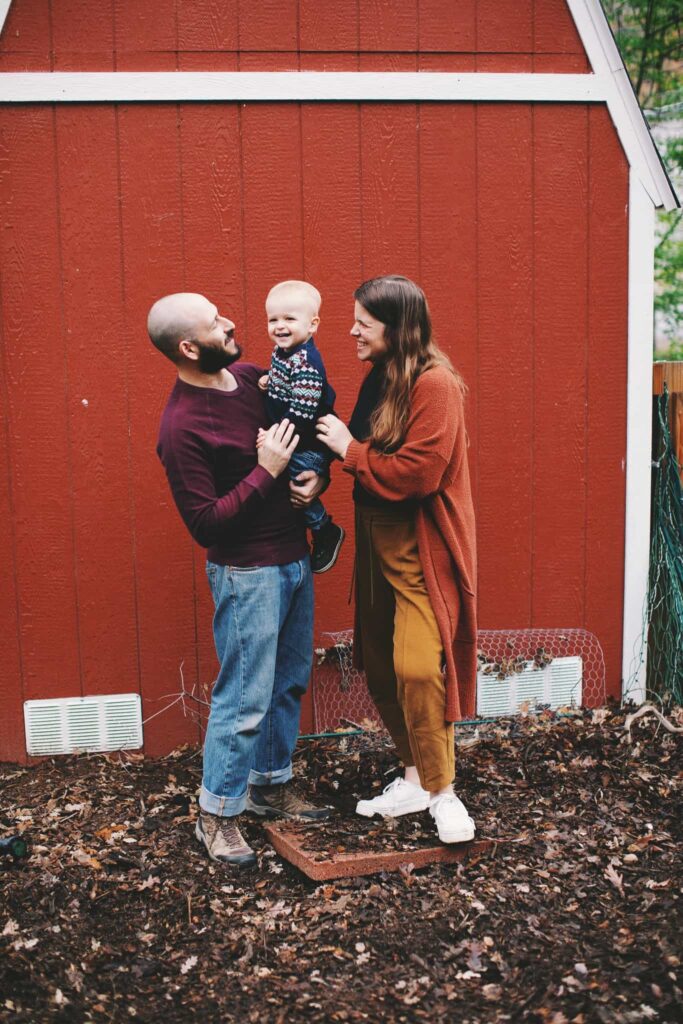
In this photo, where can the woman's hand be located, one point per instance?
(277, 446)
(332, 432)
(306, 488)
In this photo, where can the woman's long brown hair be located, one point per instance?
(400, 304)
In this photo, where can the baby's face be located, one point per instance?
(291, 318)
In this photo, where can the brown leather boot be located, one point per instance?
(223, 840)
(282, 801)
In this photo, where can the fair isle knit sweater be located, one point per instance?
(299, 391)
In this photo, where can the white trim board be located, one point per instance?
(629, 121)
(287, 86)
(641, 229)
(4, 9)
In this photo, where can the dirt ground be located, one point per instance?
(571, 915)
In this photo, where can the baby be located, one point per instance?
(297, 389)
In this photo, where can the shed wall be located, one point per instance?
(351, 35)
(513, 218)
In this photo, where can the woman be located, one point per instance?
(406, 447)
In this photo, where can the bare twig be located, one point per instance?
(649, 709)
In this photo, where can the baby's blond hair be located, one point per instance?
(304, 288)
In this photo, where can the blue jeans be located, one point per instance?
(263, 631)
(315, 514)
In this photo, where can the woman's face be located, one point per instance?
(369, 334)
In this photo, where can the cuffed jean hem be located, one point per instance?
(271, 778)
(224, 806)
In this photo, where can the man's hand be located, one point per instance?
(263, 382)
(307, 487)
(260, 437)
(277, 447)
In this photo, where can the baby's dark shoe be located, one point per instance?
(326, 544)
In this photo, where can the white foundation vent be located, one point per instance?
(557, 685)
(70, 724)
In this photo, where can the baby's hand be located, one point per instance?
(260, 437)
(263, 382)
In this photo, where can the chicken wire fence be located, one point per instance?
(341, 698)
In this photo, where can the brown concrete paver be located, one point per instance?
(346, 865)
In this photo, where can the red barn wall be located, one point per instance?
(512, 217)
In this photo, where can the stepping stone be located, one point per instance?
(321, 867)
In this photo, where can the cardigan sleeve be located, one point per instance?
(417, 468)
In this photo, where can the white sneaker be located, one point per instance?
(453, 823)
(399, 797)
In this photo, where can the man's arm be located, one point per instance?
(190, 475)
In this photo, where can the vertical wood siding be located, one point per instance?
(141, 35)
(512, 217)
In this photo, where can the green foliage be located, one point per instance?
(649, 34)
(650, 37)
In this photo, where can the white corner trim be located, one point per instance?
(273, 86)
(629, 121)
(641, 229)
(4, 8)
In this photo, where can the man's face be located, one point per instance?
(214, 338)
(291, 318)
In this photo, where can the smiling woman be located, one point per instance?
(415, 547)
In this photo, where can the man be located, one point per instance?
(235, 502)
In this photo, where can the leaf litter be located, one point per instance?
(572, 914)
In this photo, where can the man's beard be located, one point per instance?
(213, 360)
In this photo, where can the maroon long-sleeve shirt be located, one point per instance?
(230, 504)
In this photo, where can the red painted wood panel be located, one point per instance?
(207, 26)
(212, 28)
(560, 438)
(447, 26)
(34, 356)
(25, 42)
(505, 367)
(97, 407)
(561, 63)
(505, 26)
(389, 27)
(327, 25)
(269, 26)
(152, 224)
(505, 63)
(145, 26)
(82, 35)
(389, 147)
(271, 162)
(448, 238)
(332, 225)
(12, 746)
(329, 61)
(11, 692)
(554, 29)
(607, 382)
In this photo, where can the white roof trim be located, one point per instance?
(603, 53)
(4, 8)
(609, 83)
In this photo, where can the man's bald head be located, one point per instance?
(174, 318)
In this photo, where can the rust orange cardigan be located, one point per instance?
(431, 465)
